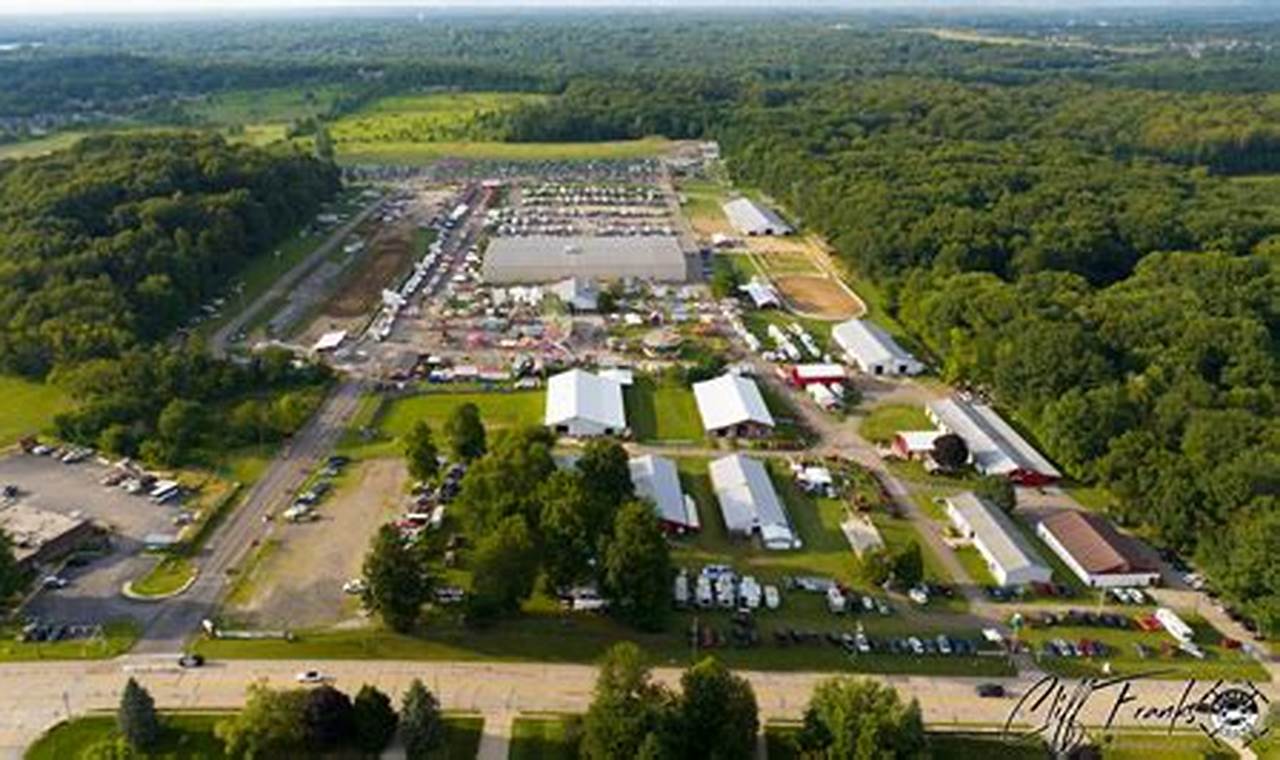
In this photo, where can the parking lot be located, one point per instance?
(93, 592)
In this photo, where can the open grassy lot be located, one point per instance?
(498, 410)
(886, 420)
(118, 638)
(29, 407)
(543, 737)
(424, 118)
(420, 153)
(660, 410)
(186, 735)
(273, 105)
(703, 206)
(167, 577)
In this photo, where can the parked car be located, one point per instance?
(990, 690)
(191, 660)
(311, 676)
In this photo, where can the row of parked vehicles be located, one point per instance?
(719, 586)
(36, 630)
(304, 504)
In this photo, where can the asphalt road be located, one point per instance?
(34, 696)
(180, 617)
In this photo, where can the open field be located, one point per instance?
(886, 420)
(29, 407)
(819, 297)
(276, 105)
(425, 118)
(784, 263)
(702, 206)
(498, 410)
(417, 154)
(660, 411)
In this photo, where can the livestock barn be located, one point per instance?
(752, 219)
(1096, 552)
(994, 446)
(581, 404)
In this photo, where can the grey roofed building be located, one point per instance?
(731, 403)
(751, 218)
(578, 293)
(873, 350)
(995, 447)
(41, 535)
(550, 259)
(1009, 555)
(749, 502)
(657, 480)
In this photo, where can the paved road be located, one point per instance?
(218, 342)
(180, 617)
(34, 696)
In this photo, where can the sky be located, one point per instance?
(73, 7)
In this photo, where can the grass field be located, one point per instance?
(416, 154)
(278, 105)
(29, 407)
(885, 421)
(660, 411)
(426, 118)
(167, 577)
(186, 735)
(191, 736)
(542, 738)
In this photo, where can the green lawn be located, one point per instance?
(427, 118)
(119, 636)
(186, 735)
(168, 575)
(420, 153)
(975, 566)
(542, 738)
(461, 737)
(498, 409)
(29, 407)
(273, 105)
(885, 421)
(662, 411)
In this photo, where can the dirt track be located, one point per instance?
(819, 297)
(300, 584)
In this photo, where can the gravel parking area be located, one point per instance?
(93, 595)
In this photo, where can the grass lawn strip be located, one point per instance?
(119, 637)
(662, 411)
(29, 407)
(168, 576)
(542, 738)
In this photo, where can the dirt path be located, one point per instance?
(300, 584)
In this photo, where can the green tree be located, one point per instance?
(375, 720)
(12, 579)
(718, 715)
(421, 727)
(606, 475)
(857, 719)
(628, 710)
(568, 545)
(397, 583)
(324, 145)
(465, 433)
(137, 719)
(505, 481)
(637, 568)
(997, 490)
(179, 425)
(504, 567)
(329, 718)
(270, 725)
(908, 564)
(950, 451)
(420, 452)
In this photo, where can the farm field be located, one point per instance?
(261, 107)
(29, 407)
(417, 154)
(426, 118)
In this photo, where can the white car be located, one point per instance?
(54, 581)
(311, 676)
(354, 586)
(771, 597)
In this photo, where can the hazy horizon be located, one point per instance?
(37, 8)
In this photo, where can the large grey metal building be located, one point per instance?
(547, 259)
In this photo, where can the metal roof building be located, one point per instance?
(731, 403)
(1010, 557)
(657, 480)
(749, 502)
(996, 448)
(577, 293)
(751, 218)
(873, 350)
(1096, 552)
(582, 404)
(550, 259)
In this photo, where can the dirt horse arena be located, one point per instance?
(820, 297)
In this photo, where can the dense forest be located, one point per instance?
(107, 247)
